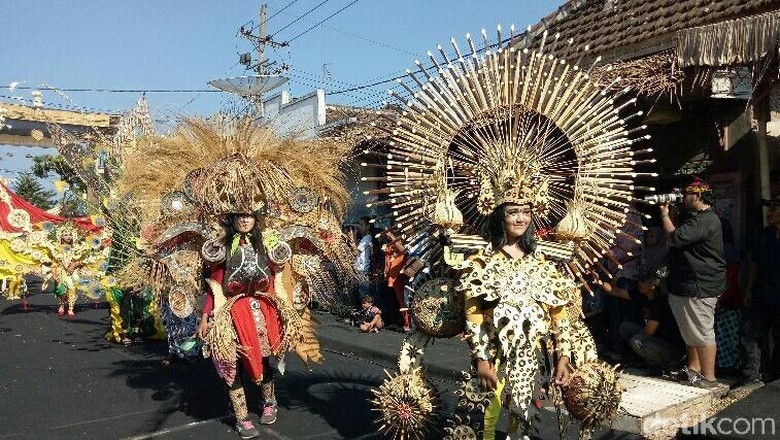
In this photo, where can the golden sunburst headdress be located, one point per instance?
(513, 124)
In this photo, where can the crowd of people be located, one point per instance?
(681, 305)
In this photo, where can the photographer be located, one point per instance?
(697, 276)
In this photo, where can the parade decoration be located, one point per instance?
(593, 395)
(30, 243)
(406, 403)
(514, 124)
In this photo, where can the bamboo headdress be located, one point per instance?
(512, 124)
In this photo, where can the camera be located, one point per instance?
(672, 197)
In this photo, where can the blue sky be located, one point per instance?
(182, 44)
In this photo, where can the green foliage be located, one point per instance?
(73, 205)
(31, 189)
(45, 165)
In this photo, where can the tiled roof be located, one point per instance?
(615, 27)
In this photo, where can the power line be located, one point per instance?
(378, 43)
(377, 83)
(52, 104)
(370, 40)
(366, 86)
(322, 21)
(300, 17)
(57, 89)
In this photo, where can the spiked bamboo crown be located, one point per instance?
(513, 124)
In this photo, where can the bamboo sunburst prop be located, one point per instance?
(520, 116)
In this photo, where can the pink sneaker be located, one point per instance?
(269, 414)
(246, 429)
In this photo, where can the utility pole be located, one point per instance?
(261, 66)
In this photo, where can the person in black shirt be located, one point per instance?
(658, 341)
(697, 276)
(763, 315)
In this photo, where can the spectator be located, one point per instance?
(763, 314)
(369, 316)
(365, 249)
(351, 233)
(658, 342)
(655, 250)
(624, 261)
(697, 276)
(395, 257)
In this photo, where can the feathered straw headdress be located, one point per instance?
(212, 168)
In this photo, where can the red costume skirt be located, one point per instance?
(259, 329)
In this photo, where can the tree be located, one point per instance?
(28, 187)
(46, 164)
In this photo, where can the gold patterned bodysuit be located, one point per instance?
(511, 305)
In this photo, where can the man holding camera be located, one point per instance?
(697, 276)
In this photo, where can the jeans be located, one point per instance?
(655, 351)
(761, 322)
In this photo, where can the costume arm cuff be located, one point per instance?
(482, 337)
(562, 329)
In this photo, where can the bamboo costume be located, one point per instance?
(192, 184)
(476, 131)
(511, 305)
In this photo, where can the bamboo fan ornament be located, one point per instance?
(445, 212)
(514, 125)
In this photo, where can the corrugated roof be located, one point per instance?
(619, 29)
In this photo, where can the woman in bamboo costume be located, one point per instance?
(514, 299)
(506, 139)
(261, 211)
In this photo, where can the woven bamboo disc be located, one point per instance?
(182, 304)
(437, 308)
(593, 395)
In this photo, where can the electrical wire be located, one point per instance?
(300, 17)
(272, 16)
(54, 89)
(322, 21)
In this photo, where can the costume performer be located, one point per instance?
(506, 141)
(264, 221)
(24, 240)
(76, 264)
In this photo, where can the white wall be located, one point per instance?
(300, 117)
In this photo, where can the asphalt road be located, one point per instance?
(61, 380)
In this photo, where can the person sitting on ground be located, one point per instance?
(370, 316)
(658, 343)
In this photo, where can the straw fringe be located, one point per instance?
(160, 164)
(731, 42)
